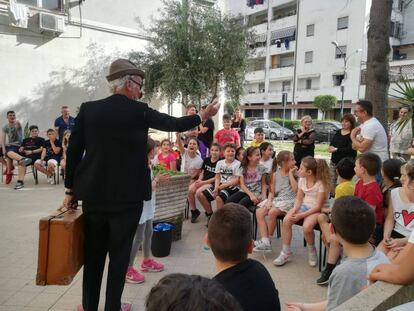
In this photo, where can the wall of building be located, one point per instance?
(42, 72)
(408, 26)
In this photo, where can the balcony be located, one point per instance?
(284, 22)
(283, 49)
(258, 52)
(278, 3)
(257, 75)
(281, 73)
(254, 98)
(276, 96)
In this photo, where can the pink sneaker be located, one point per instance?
(152, 266)
(79, 308)
(133, 276)
(125, 306)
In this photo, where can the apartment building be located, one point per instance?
(305, 48)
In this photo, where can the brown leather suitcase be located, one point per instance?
(60, 247)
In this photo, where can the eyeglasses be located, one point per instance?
(137, 83)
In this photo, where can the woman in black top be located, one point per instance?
(239, 124)
(304, 140)
(341, 144)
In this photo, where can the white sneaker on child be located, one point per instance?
(282, 259)
(261, 246)
(312, 257)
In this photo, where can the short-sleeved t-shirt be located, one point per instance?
(227, 136)
(373, 130)
(344, 188)
(14, 134)
(403, 213)
(49, 151)
(267, 164)
(227, 171)
(209, 168)
(250, 279)
(256, 143)
(350, 277)
(33, 143)
(188, 164)
(63, 126)
(371, 193)
(311, 194)
(166, 160)
(253, 178)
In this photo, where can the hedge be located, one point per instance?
(290, 124)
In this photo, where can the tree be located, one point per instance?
(377, 79)
(406, 98)
(193, 50)
(230, 106)
(325, 103)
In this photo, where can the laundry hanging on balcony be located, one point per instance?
(282, 34)
(18, 14)
(252, 3)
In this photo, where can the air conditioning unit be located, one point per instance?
(51, 23)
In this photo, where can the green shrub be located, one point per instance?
(290, 124)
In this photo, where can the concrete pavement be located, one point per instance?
(21, 210)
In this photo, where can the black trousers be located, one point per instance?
(241, 198)
(107, 233)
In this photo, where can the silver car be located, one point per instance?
(271, 129)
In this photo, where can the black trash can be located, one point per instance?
(162, 239)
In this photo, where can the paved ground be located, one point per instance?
(20, 212)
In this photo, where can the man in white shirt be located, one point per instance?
(371, 135)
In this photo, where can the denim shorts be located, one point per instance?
(303, 208)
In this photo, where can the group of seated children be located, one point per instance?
(45, 155)
(229, 236)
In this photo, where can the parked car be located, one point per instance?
(325, 130)
(271, 129)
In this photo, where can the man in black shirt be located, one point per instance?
(28, 153)
(229, 236)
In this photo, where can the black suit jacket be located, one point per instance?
(106, 162)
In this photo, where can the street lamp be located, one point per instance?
(343, 82)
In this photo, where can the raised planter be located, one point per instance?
(170, 202)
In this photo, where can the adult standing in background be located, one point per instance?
(341, 144)
(206, 130)
(112, 191)
(401, 137)
(239, 124)
(304, 140)
(64, 122)
(370, 136)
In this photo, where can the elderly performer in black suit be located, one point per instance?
(107, 169)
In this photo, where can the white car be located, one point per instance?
(271, 129)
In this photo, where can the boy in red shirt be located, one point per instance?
(227, 134)
(367, 166)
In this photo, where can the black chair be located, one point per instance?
(322, 255)
(187, 210)
(252, 209)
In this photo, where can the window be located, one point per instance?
(340, 51)
(343, 22)
(285, 86)
(54, 5)
(310, 30)
(309, 57)
(337, 79)
(308, 84)
(261, 87)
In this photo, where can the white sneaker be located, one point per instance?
(282, 259)
(260, 246)
(312, 257)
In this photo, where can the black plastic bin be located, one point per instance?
(162, 239)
